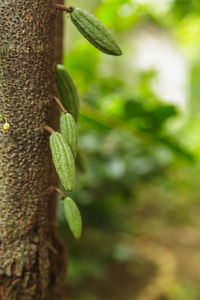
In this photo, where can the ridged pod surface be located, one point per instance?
(73, 217)
(94, 31)
(67, 91)
(68, 129)
(63, 160)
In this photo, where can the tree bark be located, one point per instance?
(59, 35)
(32, 259)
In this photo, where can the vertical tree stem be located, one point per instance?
(29, 269)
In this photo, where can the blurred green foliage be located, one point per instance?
(142, 161)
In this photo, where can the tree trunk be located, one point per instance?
(32, 259)
(59, 35)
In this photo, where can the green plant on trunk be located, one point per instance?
(64, 145)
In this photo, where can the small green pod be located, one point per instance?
(68, 129)
(67, 91)
(73, 217)
(94, 31)
(63, 160)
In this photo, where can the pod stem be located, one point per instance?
(59, 191)
(64, 8)
(60, 105)
(49, 129)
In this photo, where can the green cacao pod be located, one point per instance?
(63, 160)
(73, 217)
(68, 129)
(67, 91)
(94, 31)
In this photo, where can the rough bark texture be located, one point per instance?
(31, 256)
(59, 35)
